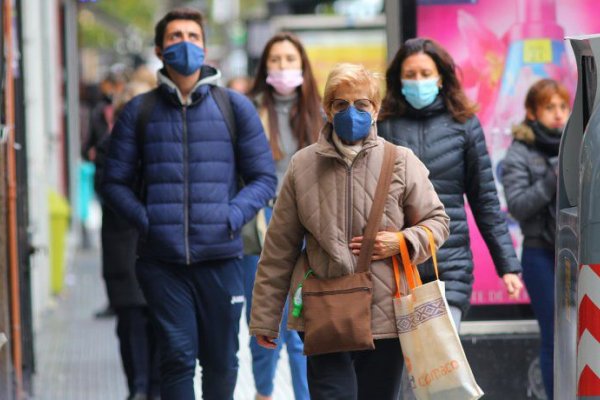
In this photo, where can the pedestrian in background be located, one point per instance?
(137, 341)
(324, 201)
(529, 176)
(426, 110)
(102, 113)
(189, 212)
(240, 84)
(289, 106)
(101, 121)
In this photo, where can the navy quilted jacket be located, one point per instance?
(192, 209)
(458, 162)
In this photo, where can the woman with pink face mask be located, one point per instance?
(286, 95)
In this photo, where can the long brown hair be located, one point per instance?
(456, 101)
(305, 117)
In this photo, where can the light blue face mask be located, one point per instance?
(420, 92)
(184, 57)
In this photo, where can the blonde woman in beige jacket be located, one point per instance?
(324, 202)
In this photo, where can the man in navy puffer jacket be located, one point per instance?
(192, 211)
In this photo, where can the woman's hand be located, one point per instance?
(386, 245)
(266, 341)
(513, 285)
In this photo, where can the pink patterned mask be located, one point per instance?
(285, 81)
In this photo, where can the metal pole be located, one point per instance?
(71, 123)
(401, 23)
(6, 379)
(392, 27)
(11, 170)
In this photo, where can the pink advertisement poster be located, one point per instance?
(501, 48)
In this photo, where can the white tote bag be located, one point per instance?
(434, 358)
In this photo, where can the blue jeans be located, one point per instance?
(264, 361)
(538, 274)
(196, 312)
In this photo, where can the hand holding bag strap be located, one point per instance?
(381, 192)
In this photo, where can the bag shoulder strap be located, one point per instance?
(381, 192)
(411, 272)
(149, 100)
(146, 108)
(432, 249)
(221, 97)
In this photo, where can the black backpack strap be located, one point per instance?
(221, 97)
(149, 100)
(224, 103)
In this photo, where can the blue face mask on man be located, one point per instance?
(420, 92)
(352, 125)
(184, 57)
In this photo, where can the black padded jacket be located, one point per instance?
(459, 164)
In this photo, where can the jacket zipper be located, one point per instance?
(349, 197)
(186, 201)
(421, 140)
(341, 291)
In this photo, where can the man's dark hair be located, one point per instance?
(178, 13)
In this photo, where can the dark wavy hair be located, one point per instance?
(305, 117)
(395, 105)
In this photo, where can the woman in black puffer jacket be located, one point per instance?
(530, 180)
(426, 110)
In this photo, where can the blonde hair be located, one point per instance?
(351, 74)
(144, 74)
(131, 90)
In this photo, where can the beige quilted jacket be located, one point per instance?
(326, 202)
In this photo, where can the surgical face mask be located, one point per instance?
(285, 81)
(184, 57)
(352, 125)
(420, 93)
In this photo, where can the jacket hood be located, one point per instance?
(523, 133)
(208, 76)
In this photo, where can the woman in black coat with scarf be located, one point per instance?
(530, 180)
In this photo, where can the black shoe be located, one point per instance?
(107, 312)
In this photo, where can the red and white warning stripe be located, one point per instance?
(588, 329)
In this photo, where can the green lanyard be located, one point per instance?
(297, 299)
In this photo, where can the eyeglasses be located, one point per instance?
(339, 105)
